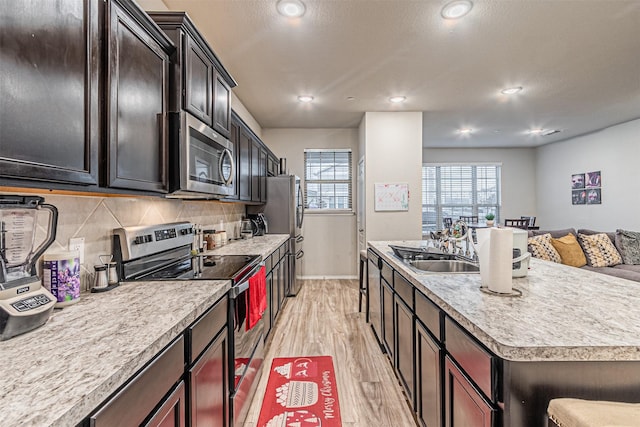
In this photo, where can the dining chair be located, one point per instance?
(469, 219)
(517, 223)
(531, 220)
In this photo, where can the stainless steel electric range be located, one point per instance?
(165, 252)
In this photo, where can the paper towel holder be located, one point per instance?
(515, 292)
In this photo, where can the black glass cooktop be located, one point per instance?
(214, 267)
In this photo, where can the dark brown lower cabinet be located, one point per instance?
(373, 284)
(172, 411)
(388, 328)
(208, 387)
(405, 350)
(464, 405)
(145, 391)
(428, 385)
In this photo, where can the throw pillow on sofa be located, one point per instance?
(570, 250)
(628, 244)
(599, 250)
(541, 247)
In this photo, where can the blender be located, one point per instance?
(24, 303)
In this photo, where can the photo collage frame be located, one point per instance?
(586, 188)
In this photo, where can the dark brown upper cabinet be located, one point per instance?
(137, 99)
(200, 84)
(49, 91)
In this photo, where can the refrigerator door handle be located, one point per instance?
(299, 239)
(299, 254)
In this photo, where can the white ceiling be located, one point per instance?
(578, 61)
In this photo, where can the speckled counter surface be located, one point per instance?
(258, 245)
(564, 313)
(57, 374)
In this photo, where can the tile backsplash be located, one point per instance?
(95, 217)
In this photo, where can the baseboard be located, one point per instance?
(329, 277)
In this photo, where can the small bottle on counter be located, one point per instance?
(209, 238)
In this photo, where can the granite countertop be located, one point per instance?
(57, 374)
(258, 245)
(564, 313)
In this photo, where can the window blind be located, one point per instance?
(327, 178)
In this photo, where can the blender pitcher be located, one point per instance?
(24, 303)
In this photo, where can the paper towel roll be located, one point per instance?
(495, 252)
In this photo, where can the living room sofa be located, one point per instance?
(622, 270)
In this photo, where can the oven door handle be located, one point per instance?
(242, 287)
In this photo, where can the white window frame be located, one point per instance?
(348, 181)
(476, 207)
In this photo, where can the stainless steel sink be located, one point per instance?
(445, 266)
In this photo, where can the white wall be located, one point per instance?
(615, 152)
(393, 154)
(518, 174)
(330, 243)
(245, 115)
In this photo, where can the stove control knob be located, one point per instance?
(138, 240)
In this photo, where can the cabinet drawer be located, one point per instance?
(478, 364)
(387, 273)
(429, 314)
(131, 405)
(403, 288)
(203, 330)
(268, 263)
(373, 258)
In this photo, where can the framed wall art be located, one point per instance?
(586, 188)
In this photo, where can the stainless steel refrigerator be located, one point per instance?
(284, 212)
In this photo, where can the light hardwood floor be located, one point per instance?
(324, 320)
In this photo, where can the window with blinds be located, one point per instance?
(327, 179)
(451, 191)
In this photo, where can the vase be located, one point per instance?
(489, 223)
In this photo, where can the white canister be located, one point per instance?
(61, 277)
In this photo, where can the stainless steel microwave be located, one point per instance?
(201, 160)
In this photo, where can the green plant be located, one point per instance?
(489, 216)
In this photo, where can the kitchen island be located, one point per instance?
(572, 333)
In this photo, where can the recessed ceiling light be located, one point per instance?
(456, 9)
(536, 131)
(305, 98)
(397, 99)
(465, 131)
(290, 8)
(351, 98)
(511, 90)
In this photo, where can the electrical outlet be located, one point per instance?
(77, 244)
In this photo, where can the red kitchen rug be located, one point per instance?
(301, 392)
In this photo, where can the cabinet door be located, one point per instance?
(388, 329)
(464, 405)
(137, 105)
(404, 350)
(375, 302)
(255, 171)
(222, 106)
(244, 165)
(234, 138)
(274, 299)
(172, 411)
(428, 389)
(198, 84)
(268, 323)
(49, 122)
(262, 174)
(209, 385)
